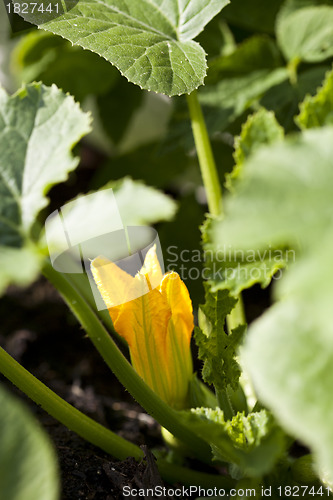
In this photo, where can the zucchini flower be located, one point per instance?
(157, 324)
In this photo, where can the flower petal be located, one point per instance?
(175, 292)
(143, 322)
(113, 283)
(151, 267)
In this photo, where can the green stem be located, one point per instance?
(224, 403)
(66, 413)
(116, 361)
(205, 155)
(92, 431)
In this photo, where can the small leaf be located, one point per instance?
(317, 111)
(217, 349)
(150, 41)
(253, 442)
(28, 468)
(284, 98)
(305, 33)
(259, 129)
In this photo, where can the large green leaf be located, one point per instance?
(305, 31)
(28, 468)
(38, 128)
(285, 199)
(150, 41)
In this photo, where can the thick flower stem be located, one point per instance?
(116, 361)
(92, 431)
(64, 412)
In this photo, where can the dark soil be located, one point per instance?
(39, 331)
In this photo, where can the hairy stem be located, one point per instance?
(66, 413)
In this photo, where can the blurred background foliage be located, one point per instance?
(148, 136)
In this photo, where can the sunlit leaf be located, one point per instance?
(150, 42)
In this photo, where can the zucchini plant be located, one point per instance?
(247, 102)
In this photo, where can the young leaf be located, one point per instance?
(28, 469)
(305, 33)
(217, 349)
(150, 42)
(284, 99)
(38, 128)
(284, 198)
(260, 128)
(317, 111)
(253, 443)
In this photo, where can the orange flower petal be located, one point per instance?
(175, 292)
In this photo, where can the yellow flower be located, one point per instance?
(157, 323)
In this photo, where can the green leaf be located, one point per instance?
(150, 42)
(28, 468)
(260, 128)
(253, 442)
(151, 205)
(317, 111)
(217, 349)
(18, 266)
(235, 269)
(38, 128)
(229, 98)
(305, 33)
(289, 352)
(285, 97)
